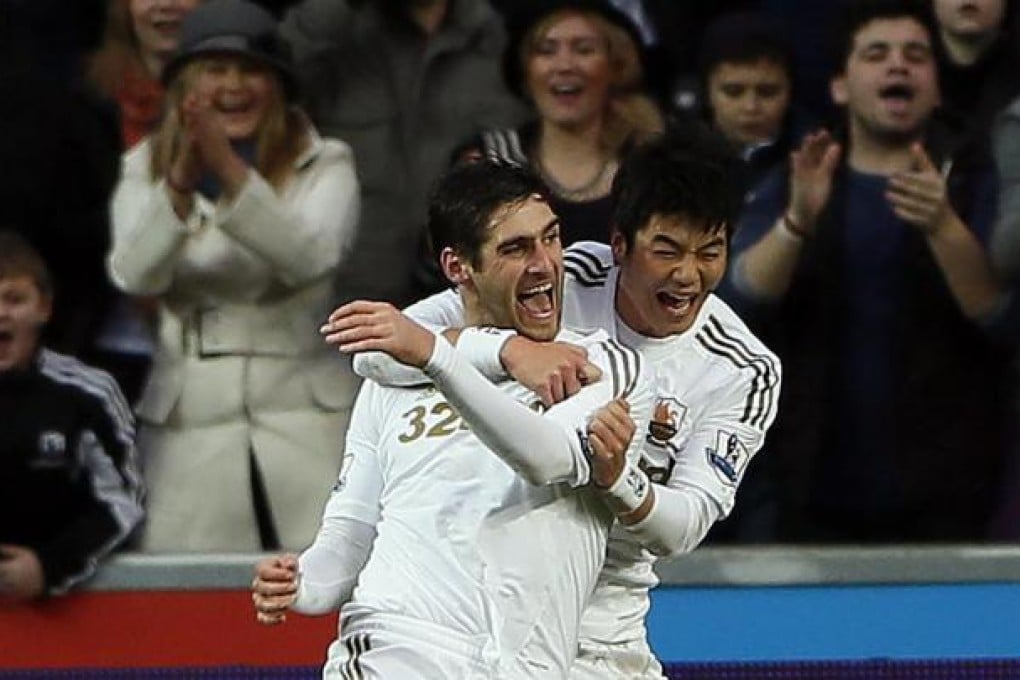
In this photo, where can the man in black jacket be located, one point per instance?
(70, 490)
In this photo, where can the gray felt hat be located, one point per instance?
(235, 27)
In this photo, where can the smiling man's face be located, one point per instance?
(518, 279)
(668, 273)
(889, 84)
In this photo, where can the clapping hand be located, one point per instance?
(918, 196)
(812, 167)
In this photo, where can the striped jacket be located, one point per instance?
(70, 487)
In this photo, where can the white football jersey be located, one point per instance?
(716, 392)
(462, 541)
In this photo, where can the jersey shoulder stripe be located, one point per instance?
(504, 146)
(762, 397)
(357, 645)
(98, 384)
(586, 271)
(624, 366)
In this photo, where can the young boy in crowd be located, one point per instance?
(69, 485)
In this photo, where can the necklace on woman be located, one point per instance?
(592, 188)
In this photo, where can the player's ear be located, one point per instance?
(619, 246)
(454, 267)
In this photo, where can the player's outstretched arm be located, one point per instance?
(323, 577)
(553, 370)
(544, 449)
(318, 582)
(357, 327)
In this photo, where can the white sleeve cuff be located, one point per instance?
(629, 490)
(481, 346)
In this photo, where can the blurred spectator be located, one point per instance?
(235, 214)
(577, 62)
(403, 82)
(659, 24)
(60, 145)
(670, 33)
(806, 22)
(1005, 252)
(1006, 145)
(70, 490)
(277, 7)
(140, 37)
(886, 311)
(979, 61)
(747, 82)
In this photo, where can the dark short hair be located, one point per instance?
(19, 258)
(744, 38)
(466, 199)
(689, 172)
(858, 13)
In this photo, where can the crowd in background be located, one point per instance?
(202, 201)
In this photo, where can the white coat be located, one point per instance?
(240, 368)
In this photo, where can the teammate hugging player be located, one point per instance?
(716, 385)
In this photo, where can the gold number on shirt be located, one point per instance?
(445, 423)
(446, 426)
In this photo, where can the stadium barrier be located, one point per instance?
(721, 613)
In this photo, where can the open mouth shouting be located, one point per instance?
(9, 352)
(897, 97)
(168, 28)
(566, 89)
(567, 94)
(538, 302)
(677, 305)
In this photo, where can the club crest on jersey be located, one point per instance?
(52, 446)
(665, 422)
(728, 458)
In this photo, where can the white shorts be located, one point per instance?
(632, 660)
(387, 647)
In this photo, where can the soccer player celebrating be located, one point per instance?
(467, 564)
(716, 385)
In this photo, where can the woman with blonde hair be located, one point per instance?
(235, 214)
(140, 37)
(579, 63)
